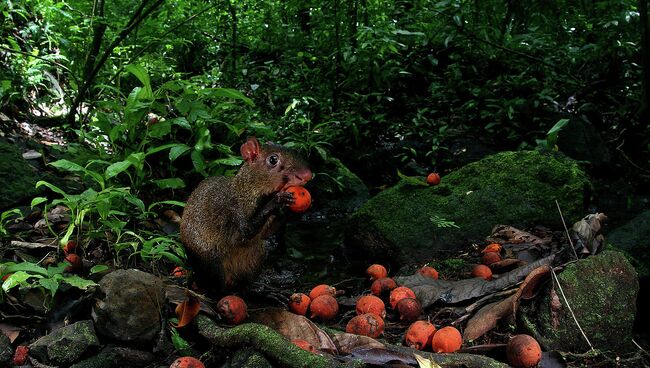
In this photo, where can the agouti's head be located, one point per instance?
(274, 166)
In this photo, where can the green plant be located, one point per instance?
(6, 216)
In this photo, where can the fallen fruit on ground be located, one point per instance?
(482, 271)
(419, 335)
(322, 289)
(187, 362)
(20, 355)
(409, 309)
(400, 293)
(179, 272)
(371, 304)
(368, 324)
(302, 199)
(299, 303)
(75, 263)
(493, 247)
(433, 179)
(446, 340)
(429, 272)
(304, 345)
(233, 309)
(376, 272)
(490, 257)
(523, 351)
(324, 307)
(381, 288)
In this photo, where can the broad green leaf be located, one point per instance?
(68, 166)
(230, 161)
(232, 93)
(26, 267)
(49, 284)
(160, 148)
(181, 122)
(160, 129)
(199, 164)
(52, 187)
(177, 151)
(56, 270)
(98, 268)
(78, 282)
(117, 168)
(173, 203)
(16, 279)
(38, 200)
(170, 183)
(141, 73)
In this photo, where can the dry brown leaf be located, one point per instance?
(487, 317)
(176, 294)
(187, 310)
(506, 264)
(347, 342)
(508, 234)
(586, 233)
(556, 305)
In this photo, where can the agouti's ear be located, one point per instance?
(250, 149)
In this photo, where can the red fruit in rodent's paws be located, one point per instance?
(419, 335)
(368, 324)
(400, 293)
(409, 309)
(302, 199)
(187, 362)
(299, 303)
(371, 304)
(322, 289)
(523, 351)
(304, 345)
(324, 307)
(382, 287)
(429, 272)
(490, 257)
(433, 179)
(482, 271)
(446, 340)
(233, 309)
(376, 272)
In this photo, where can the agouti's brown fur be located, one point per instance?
(226, 219)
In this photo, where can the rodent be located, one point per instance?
(226, 219)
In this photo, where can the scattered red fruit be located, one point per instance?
(368, 324)
(433, 179)
(324, 307)
(482, 271)
(376, 272)
(302, 199)
(429, 272)
(322, 289)
(382, 287)
(409, 309)
(494, 247)
(187, 362)
(400, 293)
(299, 303)
(75, 263)
(70, 247)
(233, 309)
(419, 335)
(20, 355)
(371, 304)
(490, 257)
(446, 340)
(304, 345)
(523, 351)
(179, 272)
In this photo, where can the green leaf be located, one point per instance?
(16, 279)
(181, 122)
(26, 267)
(160, 129)
(141, 73)
(38, 200)
(52, 187)
(180, 344)
(551, 136)
(51, 285)
(232, 93)
(117, 168)
(78, 282)
(411, 180)
(230, 161)
(68, 166)
(173, 203)
(170, 183)
(177, 151)
(199, 164)
(98, 268)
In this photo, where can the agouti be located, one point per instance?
(226, 219)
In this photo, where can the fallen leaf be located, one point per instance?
(176, 294)
(426, 363)
(586, 233)
(380, 357)
(509, 234)
(187, 310)
(347, 342)
(506, 264)
(11, 331)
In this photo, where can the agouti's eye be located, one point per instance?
(273, 160)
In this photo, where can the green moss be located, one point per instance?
(18, 177)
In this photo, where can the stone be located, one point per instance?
(130, 310)
(634, 239)
(6, 352)
(65, 345)
(602, 292)
(18, 178)
(113, 356)
(407, 222)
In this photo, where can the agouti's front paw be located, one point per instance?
(285, 198)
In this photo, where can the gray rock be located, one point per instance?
(130, 309)
(6, 352)
(602, 292)
(404, 222)
(113, 356)
(66, 344)
(18, 179)
(634, 239)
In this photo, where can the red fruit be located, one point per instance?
(322, 289)
(324, 307)
(299, 303)
(20, 355)
(409, 309)
(75, 263)
(233, 309)
(419, 335)
(179, 272)
(494, 247)
(446, 340)
(187, 362)
(376, 272)
(523, 351)
(304, 344)
(490, 257)
(302, 199)
(382, 287)
(70, 247)
(400, 293)
(433, 179)
(371, 304)
(429, 272)
(482, 271)
(368, 324)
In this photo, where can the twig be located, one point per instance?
(570, 310)
(566, 230)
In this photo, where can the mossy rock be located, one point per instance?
(336, 190)
(18, 177)
(601, 291)
(634, 239)
(513, 188)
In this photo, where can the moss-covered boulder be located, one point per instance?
(18, 177)
(66, 344)
(634, 239)
(514, 188)
(601, 291)
(336, 190)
